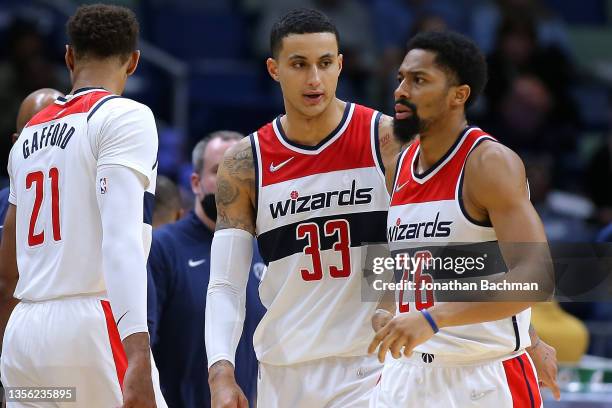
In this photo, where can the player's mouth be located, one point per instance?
(313, 97)
(402, 111)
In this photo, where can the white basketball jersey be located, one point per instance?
(317, 209)
(52, 169)
(427, 214)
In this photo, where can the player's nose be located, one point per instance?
(314, 77)
(402, 91)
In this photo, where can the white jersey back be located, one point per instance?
(52, 169)
(317, 209)
(427, 220)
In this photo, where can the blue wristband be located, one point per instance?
(430, 320)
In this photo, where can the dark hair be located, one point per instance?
(300, 21)
(457, 55)
(102, 30)
(167, 196)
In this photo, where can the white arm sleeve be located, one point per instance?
(123, 252)
(231, 255)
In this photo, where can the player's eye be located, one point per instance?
(298, 65)
(326, 63)
(400, 79)
(419, 80)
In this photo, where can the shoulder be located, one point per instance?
(238, 160)
(164, 242)
(495, 173)
(115, 107)
(493, 158)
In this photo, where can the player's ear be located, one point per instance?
(69, 58)
(14, 137)
(272, 66)
(195, 184)
(461, 95)
(133, 62)
(340, 62)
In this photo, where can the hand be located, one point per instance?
(404, 331)
(545, 360)
(137, 384)
(224, 391)
(380, 318)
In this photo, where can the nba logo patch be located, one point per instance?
(103, 185)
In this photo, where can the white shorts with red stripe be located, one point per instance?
(70, 342)
(333, 382)
(420, 381)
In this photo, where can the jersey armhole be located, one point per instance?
(375, 142)
(254, 139)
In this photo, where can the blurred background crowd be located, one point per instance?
(549, 95)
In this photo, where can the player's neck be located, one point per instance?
(101, 75)
(438, 140)
(310, 131)
(199, 211)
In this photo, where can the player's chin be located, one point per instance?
(315, 109)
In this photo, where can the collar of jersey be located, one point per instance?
(79, 92)
(312, 150)
(430, 172)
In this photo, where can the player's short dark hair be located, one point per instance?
(458, 55)
(300, 21)
(102, 31)
(197, 154)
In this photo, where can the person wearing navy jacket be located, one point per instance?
(179, 264)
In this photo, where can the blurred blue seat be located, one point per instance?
(195, 34)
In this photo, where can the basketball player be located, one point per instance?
(465, 354)
(311, 187)
(82, 176)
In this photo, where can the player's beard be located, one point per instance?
(406, 129)
(209, 205)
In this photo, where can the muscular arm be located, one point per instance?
(496, 187)
(236, 189)
(8, 270)
(231, 254)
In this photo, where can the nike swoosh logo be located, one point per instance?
(479, 395)
(122, 317)
(274, 168)
(398, 188)
(193, 263)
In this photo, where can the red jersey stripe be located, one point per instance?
(351, 150)
(119, 356)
